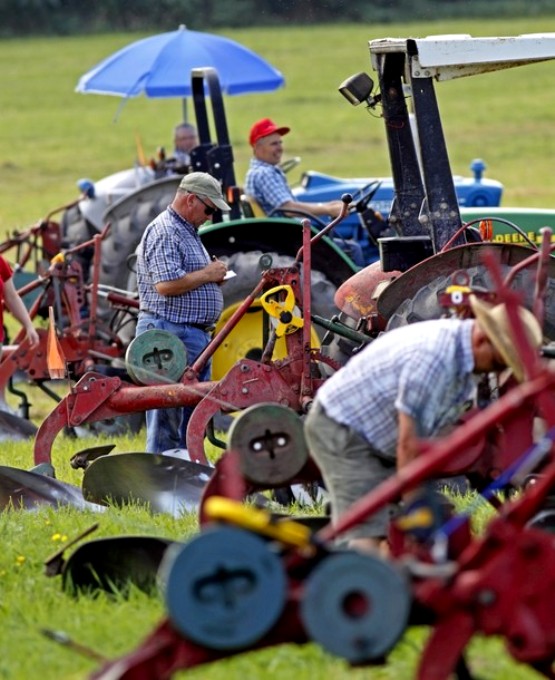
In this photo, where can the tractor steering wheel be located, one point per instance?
(290, 163)
(363, 196)
(318, 221)
(359, 204)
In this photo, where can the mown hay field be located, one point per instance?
(51, 136)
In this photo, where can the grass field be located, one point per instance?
(51, 136)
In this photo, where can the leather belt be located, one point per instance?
(206, 327)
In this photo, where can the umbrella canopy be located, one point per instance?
(160, 66)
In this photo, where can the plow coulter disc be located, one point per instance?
(356, 606)
(414, 295)
(225, 589)
(270, 441)
(156, 357)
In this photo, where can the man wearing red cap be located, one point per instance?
(266, 181)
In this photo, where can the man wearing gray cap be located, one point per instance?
(179, 289)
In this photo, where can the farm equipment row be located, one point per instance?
(272, 585)
(425, 219)
(85, 339)
(291, 381)
(248, 581)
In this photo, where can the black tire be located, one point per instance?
(76, 230)
(126, 229)
(247, 267)
(424, 305)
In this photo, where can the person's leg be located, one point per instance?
(163, 429)
(350, 470)
(352, 249)
(195, 341)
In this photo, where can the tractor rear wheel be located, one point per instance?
(76, 230)
(423, 305)
(126, 229)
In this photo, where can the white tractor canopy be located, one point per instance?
(444, 57)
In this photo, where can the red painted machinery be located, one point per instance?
(86, 341)
(291, 381)
(248, 581)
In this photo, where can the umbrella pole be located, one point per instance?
(184, 102)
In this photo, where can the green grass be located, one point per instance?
(115, 626)
(51, 136)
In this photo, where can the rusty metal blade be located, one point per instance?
(164, 483)
(21, 489)
(114, 563)
(14, 427)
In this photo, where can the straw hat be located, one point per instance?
(494, 321)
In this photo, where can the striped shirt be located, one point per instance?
(423, 369)
(268, 185)
(169, 249)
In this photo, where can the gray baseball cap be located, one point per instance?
(203, 184)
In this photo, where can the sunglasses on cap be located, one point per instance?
(208, 209)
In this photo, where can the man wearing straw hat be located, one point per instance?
(408, 384)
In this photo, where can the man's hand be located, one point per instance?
(333, 208)
(216, 271)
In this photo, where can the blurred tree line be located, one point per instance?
(66, 17)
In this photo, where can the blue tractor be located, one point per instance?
(472, 192)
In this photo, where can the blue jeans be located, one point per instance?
(166, 427)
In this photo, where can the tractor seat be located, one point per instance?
(251, 207)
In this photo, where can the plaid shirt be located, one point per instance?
(268, 185)
(169, 249)
(423, 369)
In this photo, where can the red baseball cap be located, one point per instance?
(263, 128)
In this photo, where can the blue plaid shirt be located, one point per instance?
(267, 184)
(169, 249)
(423, 369)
